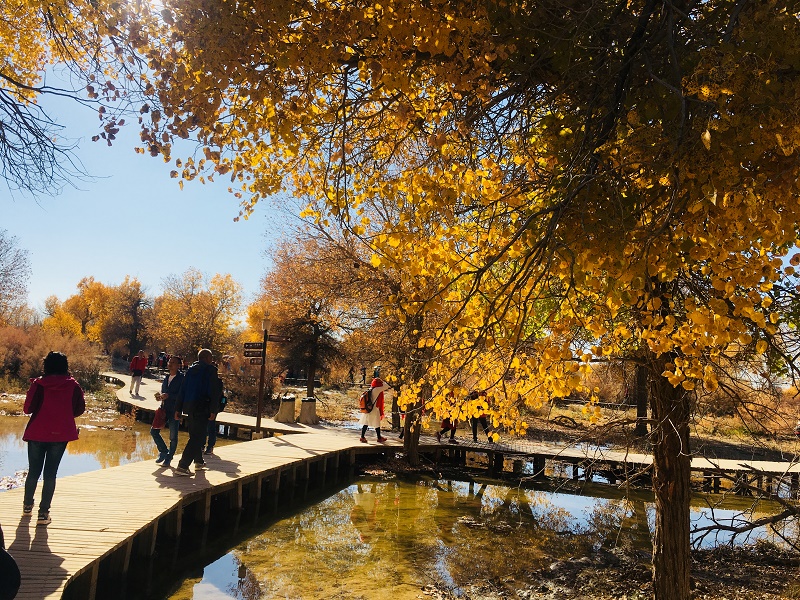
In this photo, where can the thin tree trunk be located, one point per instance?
(671, 408)
(413, 426)
(308, 409)
(640, 392)
(396, 421)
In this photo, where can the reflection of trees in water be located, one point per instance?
(380, 536)
(109, 448)
(498, 517)
(246, 586)
(620, 524)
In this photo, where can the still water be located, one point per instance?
(389, 536)
(377, 538)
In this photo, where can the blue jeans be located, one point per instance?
(173, 425)
(43, 456)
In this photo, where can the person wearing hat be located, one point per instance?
(373, 417)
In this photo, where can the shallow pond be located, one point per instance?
(376, 539)
(381, 537)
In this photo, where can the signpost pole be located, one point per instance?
(261, 381)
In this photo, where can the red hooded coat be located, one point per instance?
(53, 401)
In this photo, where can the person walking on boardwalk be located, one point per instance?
(199, 398)
(138, 366)
(481, 418)
(53, 401)
(373, 417)
(168, 397)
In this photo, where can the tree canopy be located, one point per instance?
(568, 181)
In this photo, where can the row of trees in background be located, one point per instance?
(192, 312)
(318, 293)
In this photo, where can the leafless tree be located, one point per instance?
(14, 272)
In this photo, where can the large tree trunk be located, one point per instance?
(311, 369)
(671, 408)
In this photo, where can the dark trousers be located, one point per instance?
(197, 422)
(211, 431)
(484, 424)
(43, 456)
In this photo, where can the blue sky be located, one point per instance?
(130, 218)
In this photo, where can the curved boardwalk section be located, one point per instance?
(101, 518)
(104, 518)
(232, 423)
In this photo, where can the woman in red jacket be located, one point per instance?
(53, 401)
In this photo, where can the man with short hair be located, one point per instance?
(199, 398)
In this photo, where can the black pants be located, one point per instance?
(484, 424)
(197, 421)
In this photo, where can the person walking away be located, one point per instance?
(168, 397)
(481, 418)
(53, 401)
(450, 425)
(138, 366)
(373, 417)
(199, 398)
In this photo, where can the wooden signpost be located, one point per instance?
(257, 352)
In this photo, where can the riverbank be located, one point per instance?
(759, 573)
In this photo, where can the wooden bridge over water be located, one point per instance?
(104, 520)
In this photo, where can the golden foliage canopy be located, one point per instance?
(571, 180)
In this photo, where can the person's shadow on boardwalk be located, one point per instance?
(42, 573)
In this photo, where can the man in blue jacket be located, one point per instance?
(198, 398)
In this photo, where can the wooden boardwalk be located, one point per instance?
(99, 517)
(233, 423)
(103, 518)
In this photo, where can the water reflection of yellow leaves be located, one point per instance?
(399, 536)
(109, 447)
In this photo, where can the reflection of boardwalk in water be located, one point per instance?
(102, 518)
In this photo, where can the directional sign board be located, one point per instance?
(253, 352)
(278, 338)
(253, 346)
(255, 361)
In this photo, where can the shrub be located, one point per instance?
(23, 349)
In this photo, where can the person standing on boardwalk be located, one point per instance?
(138, 366)
(53, 401)
(199, 398)
(168, 397)
(374, 416)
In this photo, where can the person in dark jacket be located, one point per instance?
(170, 388)
(53, 401)
(199, 398)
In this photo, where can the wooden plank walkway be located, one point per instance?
(147, 402)
(98, 514)
(509, 448)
